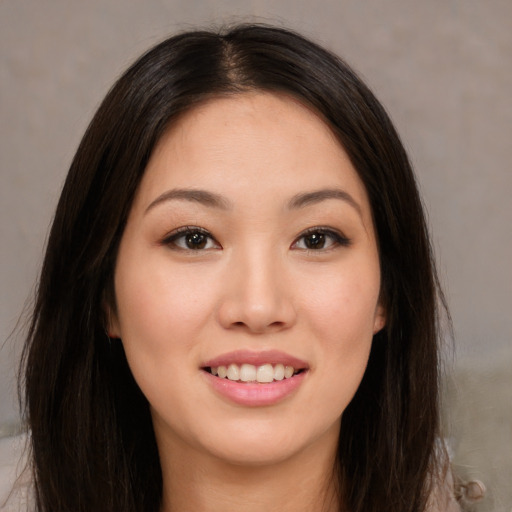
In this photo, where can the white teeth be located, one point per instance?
(278, 372)
(247, 373)
(233, 372)
(288, 371)
(264, 373)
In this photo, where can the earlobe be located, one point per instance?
(380, 319)
(111, 323)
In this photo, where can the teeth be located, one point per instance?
(278, 372)
(265, 373)
(250, 373)
(247, 373)
(288, 372)
(233, 372)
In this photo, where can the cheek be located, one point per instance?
(161, 311)
(342, 305)
(161, 315)
(341, 311)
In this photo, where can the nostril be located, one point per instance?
(259, 328)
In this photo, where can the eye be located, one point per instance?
(191, 238)
(316, 239)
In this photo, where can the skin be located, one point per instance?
(254, 285)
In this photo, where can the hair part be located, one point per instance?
(92, 438)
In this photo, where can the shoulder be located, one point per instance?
(19, 499)
(452, 494)
(16, 493)
(443, 496)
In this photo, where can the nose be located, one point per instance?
(257, 297)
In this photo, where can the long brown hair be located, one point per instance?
(93, 445)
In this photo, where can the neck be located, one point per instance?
(194, 481)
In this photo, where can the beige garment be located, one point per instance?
(454, 494)
(16, 492)
(443, 498)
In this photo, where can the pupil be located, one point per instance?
(315, 241)
(196, 241)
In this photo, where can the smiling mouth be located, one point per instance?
(262, 374)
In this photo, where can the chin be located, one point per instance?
(255, 453)
(248, 445)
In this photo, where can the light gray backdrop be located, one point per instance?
(443, 68)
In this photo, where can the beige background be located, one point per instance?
(443, 68)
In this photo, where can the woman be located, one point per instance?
(238, 307)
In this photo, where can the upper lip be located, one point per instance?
(256, 358)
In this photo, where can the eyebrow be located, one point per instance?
(309, 198)
(203, 197)
(212, 200)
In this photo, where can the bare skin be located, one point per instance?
(251, 233)
(301, 484)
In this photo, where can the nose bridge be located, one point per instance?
(256, 296)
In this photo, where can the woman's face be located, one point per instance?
(249, 248)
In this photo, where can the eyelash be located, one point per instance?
(172, 238)
(337, 238)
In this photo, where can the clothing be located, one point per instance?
(443, 498)
(15, 480)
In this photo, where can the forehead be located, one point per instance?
(250, 142)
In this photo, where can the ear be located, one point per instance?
(111, 322)
(380, 318)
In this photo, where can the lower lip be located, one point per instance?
(253, 394)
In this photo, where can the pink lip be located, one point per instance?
(253, 394)
(256, 358)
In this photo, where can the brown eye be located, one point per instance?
(191, 239)
(318, 239)
(196, 241)
(315, 241)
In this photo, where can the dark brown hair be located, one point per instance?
(93, 445)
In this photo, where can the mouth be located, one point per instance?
(254, 379)
(250, 373)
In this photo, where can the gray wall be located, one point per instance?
(443, 69)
